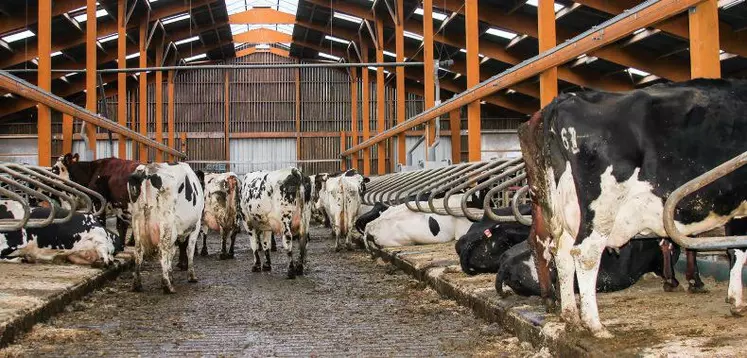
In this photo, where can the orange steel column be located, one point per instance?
(122, 77)
(456, 137)
(298, 114)
(380, 97)
(428, 83)
(67, 133)
(170, 110)
(133, 115)
(143, 79)
(343, 167)
(91, 49)
(366, 112)
(704, 40)
(183, 138)
(399, 35)
(226, 116)
(546, 30)
(354, 116)
(474, 128)
(44, 130)
(159, 101)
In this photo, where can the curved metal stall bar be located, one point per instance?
(472, 180)
(46, 187)
(483, 185)
(462, 168)
(31, 223)
(398, 199)
(702, 243)
(7, 225)
(75, 185)
(522, 219)
(496, 190)
(382, 184)
(422, 184)
(400, 183)
(79, 194)
(457, 178)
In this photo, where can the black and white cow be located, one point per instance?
(487, 239)
(274, 202)
(341, 197)
(617, 270)
(166, 203)
(368, 216)
(222, 195)
(400, 226)
(82, 240)
(601, 165)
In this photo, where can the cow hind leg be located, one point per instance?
(183, 263)
(694, 283)
(122, 231)
(203, 234)
(234, 232)
(587, 257)
(266, 244)
(566, 272)
(166, 248)
(137, 283)
(274, 246)
(288, 246)
(254, 242)
(191, 248)
(670, 282)
(223, 238)
(734, 294)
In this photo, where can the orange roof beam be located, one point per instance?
(258, 16)
(263, 36)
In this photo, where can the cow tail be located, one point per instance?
(343, 228)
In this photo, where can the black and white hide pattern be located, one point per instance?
(617, 271)
(82, 240)
(166, 202)
(222, 195)
(369, 215)
(342, 198)
(486, 240)
(274, 203)
(601, 165)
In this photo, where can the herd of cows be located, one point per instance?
(599, 166)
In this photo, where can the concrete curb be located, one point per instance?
(529, 322)
(23, 322)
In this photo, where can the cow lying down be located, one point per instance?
(400, 226)
(82, 240)
(617, 271)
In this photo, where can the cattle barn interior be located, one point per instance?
(396, 154)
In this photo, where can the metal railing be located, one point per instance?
(448, 190)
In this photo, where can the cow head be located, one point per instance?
(134, 183)
(64, 164)
(201, 176)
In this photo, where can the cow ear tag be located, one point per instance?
(487, 233)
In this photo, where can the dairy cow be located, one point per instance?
(341, 197)
(618, 270)
(81, 240)
(275, 202)
(222, 195)
(107, 176)
(400, 226)
(601, 165)
(166, 203)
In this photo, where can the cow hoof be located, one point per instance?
(738, 311)
(670, 286)
(266, 268)
(291, 274)
(168, 290)
(224, 256)
(696, 289)
(602, 333)
(338, 248)
(230, 255)
(256, 268)
(182, 266)
(137, 287)
(204, 251)
(192, 280)
(299, 269)
(349, 247)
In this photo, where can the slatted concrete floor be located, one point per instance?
(346, 305)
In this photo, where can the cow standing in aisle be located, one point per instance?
(222, 195)
(166, 202)
(82, 240)
(107, 176)
(342, 196)
(275, 203)
(601, 165)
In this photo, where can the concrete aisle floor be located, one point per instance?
(346, 305)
